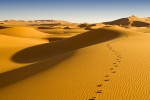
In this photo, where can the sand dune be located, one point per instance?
(52, 50)
(83, 25)
(15, 39)
(24, 32)
(69, 44)
(95, 26)
(52, 27)
(27, 32)
(71, 27)
(103, 64)
(130, 21)
(139, 24)
(141, 29)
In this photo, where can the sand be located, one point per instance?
(109, 63)
(131, 21)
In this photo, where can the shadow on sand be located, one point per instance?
(50, 54)
(15, 75)
(3, 27)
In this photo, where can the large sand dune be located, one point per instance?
(56, 49)
(110, 63)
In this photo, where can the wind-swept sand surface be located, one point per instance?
(110, 63)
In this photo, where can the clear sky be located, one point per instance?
(73, 10)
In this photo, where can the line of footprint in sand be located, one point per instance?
(112, 70)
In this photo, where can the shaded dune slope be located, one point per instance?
(123, 21)
(130, 21)
(50, 54)
(139, 24)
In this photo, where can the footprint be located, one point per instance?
(116, 66)
(119, 57)
(107, 76)
(92, 99)
(111, 68)
(114, 63)
(114, 72)
(100, 85)
(107, 80)
(99, 91)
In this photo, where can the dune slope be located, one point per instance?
(10, 45)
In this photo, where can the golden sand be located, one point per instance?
(110, 63)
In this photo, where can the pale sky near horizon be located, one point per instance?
(73, 10)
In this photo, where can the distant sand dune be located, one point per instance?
(52, 27)
(139, 24)
(24, 32)
(130, 21)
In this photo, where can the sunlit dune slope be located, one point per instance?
(24, 32)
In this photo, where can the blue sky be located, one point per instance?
(73, 10)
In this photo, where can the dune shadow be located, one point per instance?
(18, 74)
(54, 39)
(50, 50)
(47, 55)
(3, 27)
(44, 28)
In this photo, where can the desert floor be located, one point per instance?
(109, 63)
